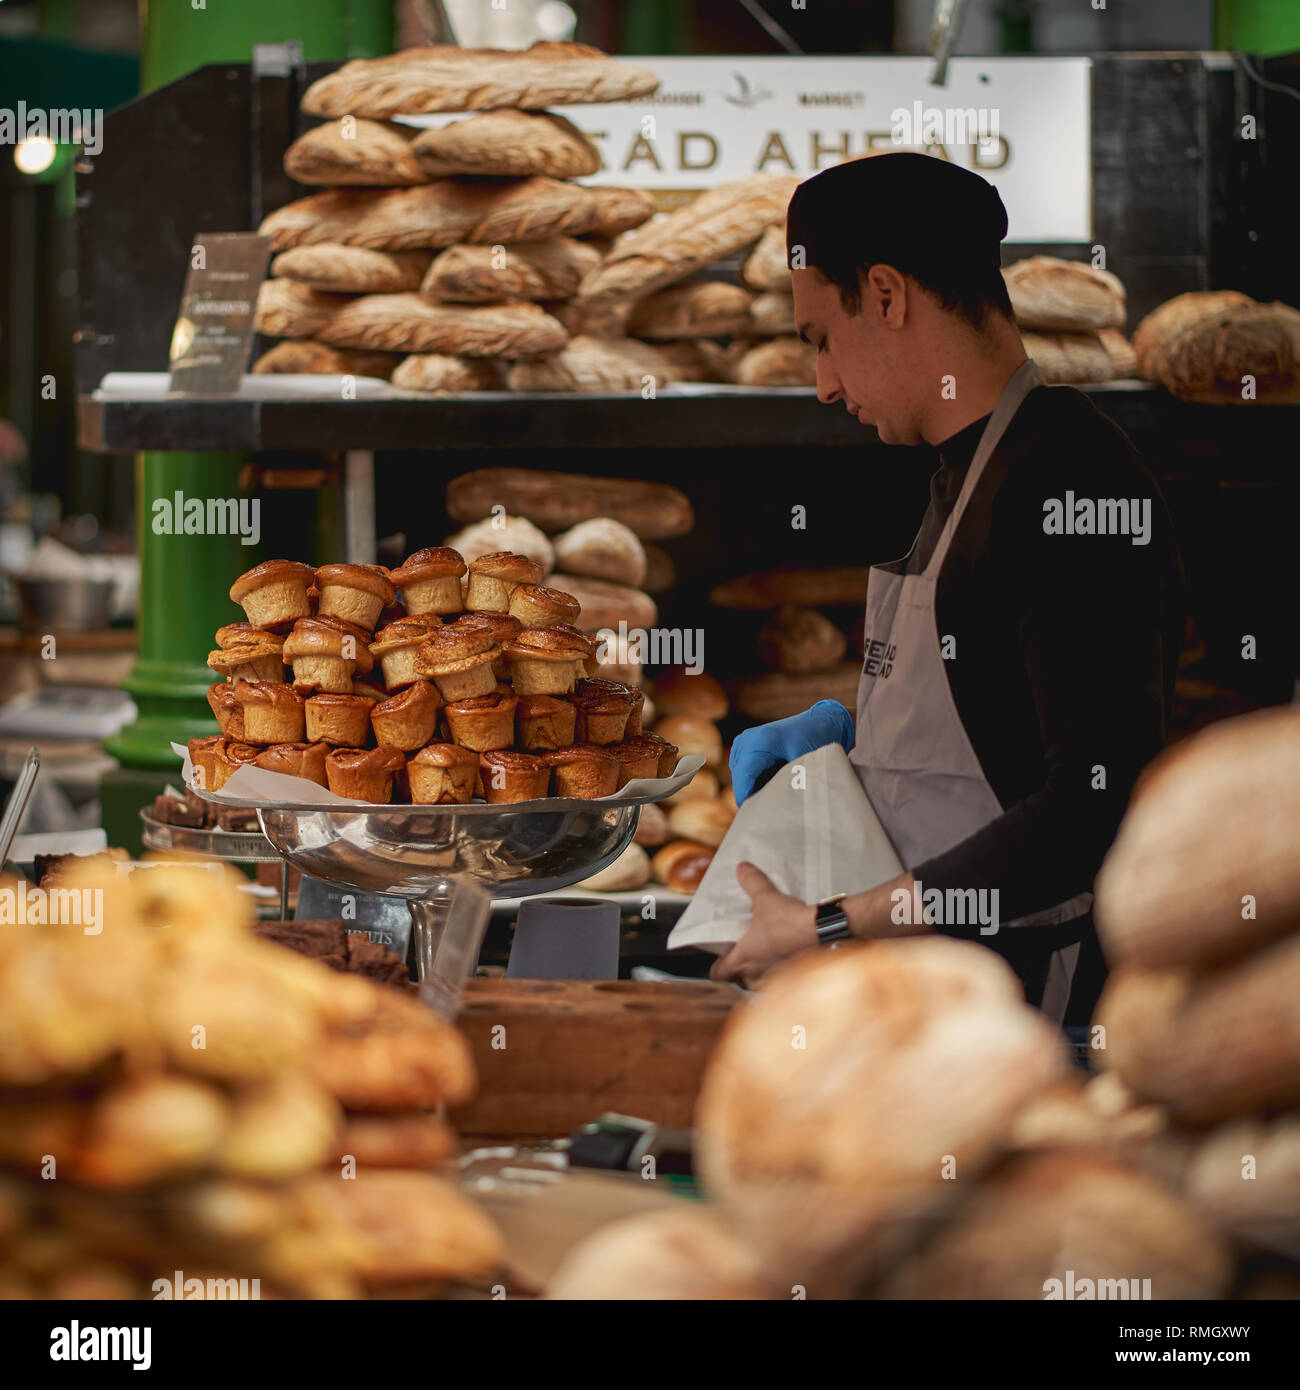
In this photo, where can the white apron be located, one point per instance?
(912, 754)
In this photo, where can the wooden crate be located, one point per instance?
(554, 1054)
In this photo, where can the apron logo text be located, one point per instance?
(879, 658)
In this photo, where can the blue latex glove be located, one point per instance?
(784, 740)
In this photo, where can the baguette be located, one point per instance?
(772, 313)
(768, 267)
(411, 323)
(437, 214)
(305, 357)
(506, 142)
(556, 501)
(370, 153)
(352, 269)
(776, 695)
(698, 309)
(443, 77)
(780, 362)
(811, 588)
(604, 364)
(286, 309)
(550, 269)
(439, 373)
(619, 210)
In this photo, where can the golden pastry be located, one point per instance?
(230, 757)
(493, 578)
(693, 734)
(604, 708)
(508, 775)
(442, 774)
(634, 717)
(543, 661)
(583, 770)
(250, 660)
(503, 627)
(274, 594)
(203, 759)
(342, 721)
(395, 647)
(355, 593)
(430, 581)
(296, 760)
(483, 721)
(536, 606)
(635, 760)
(273, 713)
(226, 710)
(363, 774)
(590, 663)
(326, 652)
(408, 720)
(666, 752)
(237, 634)
(459, 659)
(544, 722)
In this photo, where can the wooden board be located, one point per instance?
(554, 1054)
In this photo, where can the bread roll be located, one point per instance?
(838, 1100)
(556, 501)
(1123, 360)
(679, 691)
(798, 640)
(619, 210)
(681, 864)
(776, 695)
(440, 374)
(413, 323)
(1056, 296)
(305, 357)
(1200, 346)
(286, 309)
(781, 362)
(529, 270)
(697, 309)
(513, 533)
(353, 269)
(1069, 357)
(703, 819)
(351, 151)
(1206, 864)
(1208, 1046)
(605, 605)
(630, 870)
(692, 735)
(668, 249)
(484, 211)
(600, 364)
(818, 587)
(704, 784)
(602, 548)
(443, 77)
(507, 142)
(651, 826)
(768, 266)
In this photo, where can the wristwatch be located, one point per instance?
(831, 921)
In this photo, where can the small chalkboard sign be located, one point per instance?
(214, 332)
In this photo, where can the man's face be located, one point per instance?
(856, 356)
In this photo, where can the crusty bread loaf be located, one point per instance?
(371, 153)
(619, 210)
(436, 372)
(780, 362)
(602, 548)
(556, 501)
(493, 534)
(605, 364)
(550, 269)
(484, 211)
(811, 587)
(799, 640)
(651, 826)
(679, 691)
(692, 734)
(768, 267)
(443, 77)
(703, 819)
(303, 356)
(1123, 360)
(412, 323)
(1200, 346)
(1059, 296)
(1212, 822)
(352, 269)
(630, 870)
(772, 314)
(605, 604)
(777, 694)
(1069, 357)
(669, 248)
(517, 143)
(286, 309)
(697, 309)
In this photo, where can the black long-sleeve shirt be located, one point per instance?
(1065, 649)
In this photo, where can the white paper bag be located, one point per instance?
(813, 833)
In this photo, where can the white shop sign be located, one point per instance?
(716, 119)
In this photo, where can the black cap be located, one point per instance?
(921, 214)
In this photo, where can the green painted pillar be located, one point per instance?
(1266, 27)
(184, 579)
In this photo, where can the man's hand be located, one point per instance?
(782, 926)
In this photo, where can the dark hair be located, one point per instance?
(933, 221)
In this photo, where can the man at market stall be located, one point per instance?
(1018, 666)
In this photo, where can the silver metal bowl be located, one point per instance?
(63, 605)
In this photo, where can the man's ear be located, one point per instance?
(886, 296)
